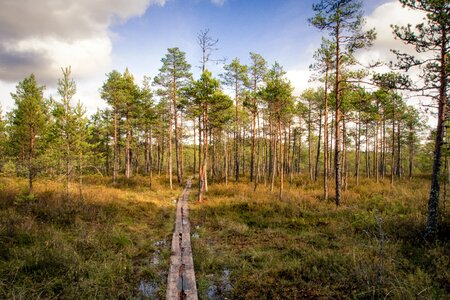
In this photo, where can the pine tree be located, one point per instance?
(431, 37)
(257, 70)
(278, 95)
(65, 123)
(81, 146)
(130, 95)
(29, 120)
(344, 21)
(323, 65)
(101, 133)
(147, 119)
(112, 92)
(173, 76)
(211, 103)
(236, 77)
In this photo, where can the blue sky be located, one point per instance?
(277, 29)
(95, 37)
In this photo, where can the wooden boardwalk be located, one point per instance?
(181, 282)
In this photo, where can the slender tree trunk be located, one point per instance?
(300, 147)
(176, 132)
(236, 135)
(337, 157)
(367, 151)
(310, 166)
(344, 153)
(358, 147)
(150, 171)
(252, 157)
(258, 155)
(169, 158)
(213, 159)
(80, 178)
(266, 155)
(331, 158)
(243, 150)
(273, 156)
(127, 149)
(325, 140)
(226, 159)
(115, 143)
(67, 164)
(433, 202)
(203, 170)
(199, 143)
(206, 148)
(376, 170)
(281, 160)
(30, 161)
(195, 151)
(393, 145)
(146, 152)
(399, 152)
(181, 146)
(316, 171)
(411, 152)
(383, 150)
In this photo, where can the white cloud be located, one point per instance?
(43, 37)
(381, 19)
(300, 80)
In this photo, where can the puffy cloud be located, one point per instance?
(42, 37)
(381, 19)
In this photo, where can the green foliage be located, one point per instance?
(207, 97)
(343, 17)
(28, 124)
(9, 169)
(277, 93)
(174, 74)
(235, 75)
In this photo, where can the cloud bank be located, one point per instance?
(44, 36)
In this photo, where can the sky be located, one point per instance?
(95, 37)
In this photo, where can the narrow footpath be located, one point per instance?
(181, 282)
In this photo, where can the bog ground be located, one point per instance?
(115, 243)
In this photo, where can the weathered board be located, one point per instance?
(181, 282)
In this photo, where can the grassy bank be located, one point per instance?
(112, 244)
(250, 245)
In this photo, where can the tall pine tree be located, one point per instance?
(29, 121)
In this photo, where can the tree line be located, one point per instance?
(246, 124)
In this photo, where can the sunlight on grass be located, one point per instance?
(304, 247)
(106, 245)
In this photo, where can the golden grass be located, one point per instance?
(304, 247)
(113, 243)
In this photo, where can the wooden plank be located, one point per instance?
(181, 283)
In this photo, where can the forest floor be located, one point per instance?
(251, 245)
(115, 242)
